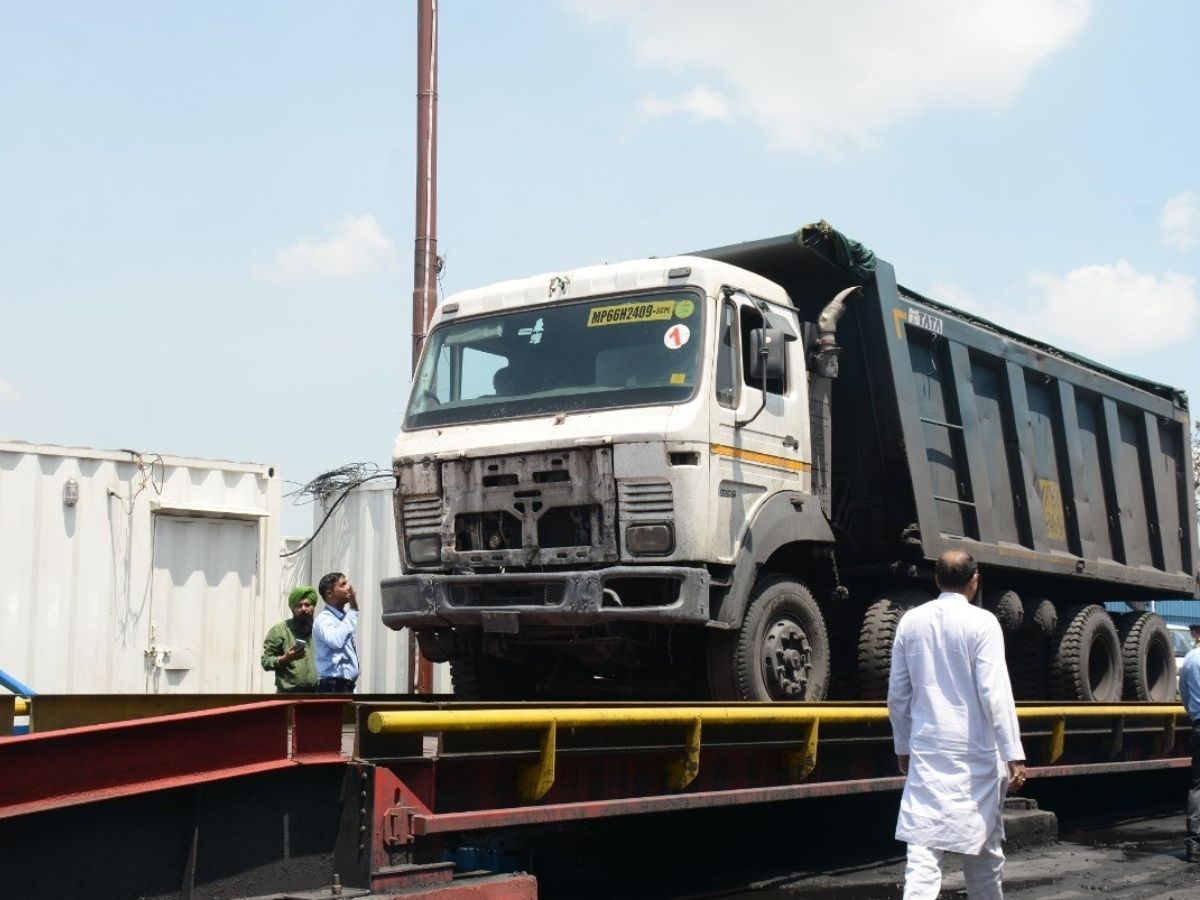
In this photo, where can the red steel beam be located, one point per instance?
(320, 731)
(574, 812)
(1109, 768)
(100, 762)
(423, 823)
(515, 886)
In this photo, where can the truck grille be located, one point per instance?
(506, 594)
(530, 509)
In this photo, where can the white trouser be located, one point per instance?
(982, 870)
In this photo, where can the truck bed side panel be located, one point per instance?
(1040, 462)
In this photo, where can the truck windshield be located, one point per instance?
(597, 354)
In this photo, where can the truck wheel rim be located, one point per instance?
(787, 659)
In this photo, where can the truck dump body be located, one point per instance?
(950, 431)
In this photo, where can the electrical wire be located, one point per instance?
(144, 476)
(340, 481)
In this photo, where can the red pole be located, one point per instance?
(425, 249)
(420, 672)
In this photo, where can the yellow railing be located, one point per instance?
(534, 781)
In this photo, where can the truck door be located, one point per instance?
(753, 456)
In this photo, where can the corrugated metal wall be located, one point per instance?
(296, 570)
(155, 580)
(1175, 612)
(360, 540)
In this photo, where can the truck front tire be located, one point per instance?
(781, 651)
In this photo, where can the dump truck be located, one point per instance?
(727, 474)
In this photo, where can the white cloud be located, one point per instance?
(1102, 311)
(1180, 222)
(357, 247)
(8, 391)
(700, 101)
(831, 77)
(1105, 309)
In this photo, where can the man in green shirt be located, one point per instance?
(285, 648)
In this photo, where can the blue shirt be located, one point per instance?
(333, 634)
(1189, 683)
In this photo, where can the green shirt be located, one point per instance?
(298, 676)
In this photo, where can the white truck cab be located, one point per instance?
(580, 450)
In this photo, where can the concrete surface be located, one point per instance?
(1138, 859)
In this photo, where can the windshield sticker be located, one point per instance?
(684, 309)
(678, 378)
(677, 336)
(631, 312)
(534, 333)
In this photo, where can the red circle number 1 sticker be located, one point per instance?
(677, 336)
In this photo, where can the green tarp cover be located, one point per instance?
(843, 252)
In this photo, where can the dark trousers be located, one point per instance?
(1192, 842)
(335, 686)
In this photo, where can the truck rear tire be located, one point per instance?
(1006, 607)
(1041, 618)
(781, 651)
(875, 641)
(1085, 656)
(1026, 655)
(1148, 656)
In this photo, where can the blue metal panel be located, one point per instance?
(1174, 612)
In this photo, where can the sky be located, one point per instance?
(207, 210)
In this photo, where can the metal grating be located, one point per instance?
(507, 594)
(643, 500)
(422, 514)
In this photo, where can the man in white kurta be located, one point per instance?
(956, 735)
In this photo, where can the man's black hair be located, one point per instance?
(954, 570)
(1196, 626)
(325, 585)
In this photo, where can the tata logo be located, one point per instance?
(921, 319)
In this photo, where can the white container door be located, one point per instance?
(205, 587)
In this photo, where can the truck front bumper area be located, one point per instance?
(502, 603)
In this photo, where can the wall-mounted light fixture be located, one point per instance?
(70, 492)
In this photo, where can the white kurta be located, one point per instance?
(952, 713)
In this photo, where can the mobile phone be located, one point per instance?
(301, 643)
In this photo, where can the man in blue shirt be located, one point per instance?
(1189, 692)
(333, 634)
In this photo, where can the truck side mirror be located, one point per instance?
(768, 353)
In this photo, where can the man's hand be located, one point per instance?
(353, 599)
(902, 763)
(1016, 775)
(292, 654)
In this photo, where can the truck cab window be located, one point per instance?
(727, 366)
(439, 392)
(605, 352)
(751, 318)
